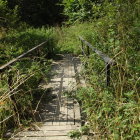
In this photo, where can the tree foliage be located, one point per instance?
(37, 12)
(112, 26)
(8, 17)
(82, 10)
(112, 111)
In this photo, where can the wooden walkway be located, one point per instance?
(62, 114)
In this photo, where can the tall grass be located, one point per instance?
(112, 112)
(68, 40)
(18, 41)
(19, 85)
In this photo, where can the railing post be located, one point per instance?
(106, 59)
(107, 74)
(88, 52)
(82, 47)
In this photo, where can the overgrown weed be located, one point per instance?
(113, 112)
(19, 84)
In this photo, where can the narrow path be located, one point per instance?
(62, 114)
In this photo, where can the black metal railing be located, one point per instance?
(7, 66)
(4, 67)
(108, 61)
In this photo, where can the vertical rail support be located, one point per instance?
(107, 74)
(108, 61)
(38, 52)
(88, 52)
(82, 47)
(10, 80)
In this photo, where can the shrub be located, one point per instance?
(19, 85)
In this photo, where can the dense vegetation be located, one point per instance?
(19, 85)
(38, 13)
(110, 26)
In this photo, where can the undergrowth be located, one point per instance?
(68, 37)
(112, 112)
(109, 118)
(19, 85)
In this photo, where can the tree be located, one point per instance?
(82, 10)
(8, 17)
(38, 12)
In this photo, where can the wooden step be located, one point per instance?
(44, 133)
(43, 138)
(58, 127)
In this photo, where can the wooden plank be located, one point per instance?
(57, 127)
(43, 138)
(61, 113)
(43, 133)
(77, 114)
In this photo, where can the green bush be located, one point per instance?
(68, 39)
(17, 42)
(112, 111)
(18, 96)
(82, 10)
(8, 17)
(110, 118)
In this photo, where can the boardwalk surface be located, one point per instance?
(62, 114)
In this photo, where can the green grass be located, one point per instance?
(68, 37)
(109, 118)
(26, 74)
(17, 42)
(113, 112)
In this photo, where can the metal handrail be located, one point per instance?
(109, 61)
(101, 54)
(2, 68)
(10, 77)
